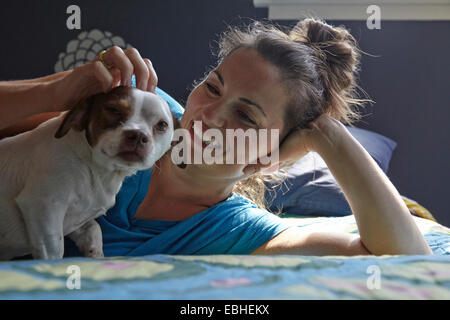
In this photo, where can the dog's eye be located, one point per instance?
(162, 126)
(113, 110)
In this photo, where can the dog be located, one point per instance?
(58, 178)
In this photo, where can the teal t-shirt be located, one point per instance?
(233, 226)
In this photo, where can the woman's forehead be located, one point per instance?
(248, 74)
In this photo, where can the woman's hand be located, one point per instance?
(58, 92)
(298, 143)
(94, 77)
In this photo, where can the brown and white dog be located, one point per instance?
(55, 187)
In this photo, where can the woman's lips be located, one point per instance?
(199, 140)
(198, 124)
(203, 142)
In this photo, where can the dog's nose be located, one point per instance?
(136, 136)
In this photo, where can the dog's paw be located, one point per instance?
(94, 252)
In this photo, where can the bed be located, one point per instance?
(310, 198)
(233, 277)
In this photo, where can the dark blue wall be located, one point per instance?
(409, 78)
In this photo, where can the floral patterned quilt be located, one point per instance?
(240, 277)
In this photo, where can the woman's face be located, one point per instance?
(243, 92)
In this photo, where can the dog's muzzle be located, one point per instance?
(134, 146)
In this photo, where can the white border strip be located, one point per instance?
(356, 9)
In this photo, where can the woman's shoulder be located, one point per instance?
(236, 201)
(243, 209)
(238, 226)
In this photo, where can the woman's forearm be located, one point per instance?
(19, 101)
(384, 221)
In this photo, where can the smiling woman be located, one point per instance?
(315, 67)
(300, 82)
(243, 92)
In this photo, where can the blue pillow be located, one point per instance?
(311, 190)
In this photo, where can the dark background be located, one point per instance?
(408, 79)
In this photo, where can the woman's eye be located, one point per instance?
(245, 117)
(212, 89)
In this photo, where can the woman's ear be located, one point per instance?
(77, 118)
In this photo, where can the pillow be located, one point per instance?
(311, 190)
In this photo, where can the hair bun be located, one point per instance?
(336, 47)
(336, 43)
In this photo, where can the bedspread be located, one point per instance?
(240, 277)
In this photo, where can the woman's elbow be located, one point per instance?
(390, 249)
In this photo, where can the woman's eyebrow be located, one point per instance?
(253, 104)
(219, 76)
(245, 100)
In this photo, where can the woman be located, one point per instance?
(300, 83)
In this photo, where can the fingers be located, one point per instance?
(153, 79)
(140, 68)
(292, 149)
(130, 62)
(116, 58)
(258, 167)
(295, 146)
(103, 76)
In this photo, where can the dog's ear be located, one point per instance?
(77, 118)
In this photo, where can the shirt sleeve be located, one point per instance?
(249, 230)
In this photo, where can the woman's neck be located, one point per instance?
(188, 185)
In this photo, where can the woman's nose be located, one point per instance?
(213, 116)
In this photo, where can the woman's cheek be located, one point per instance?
(241, 150)
(195, 100)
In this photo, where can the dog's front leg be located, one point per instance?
(88, 239)
(44, 223)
